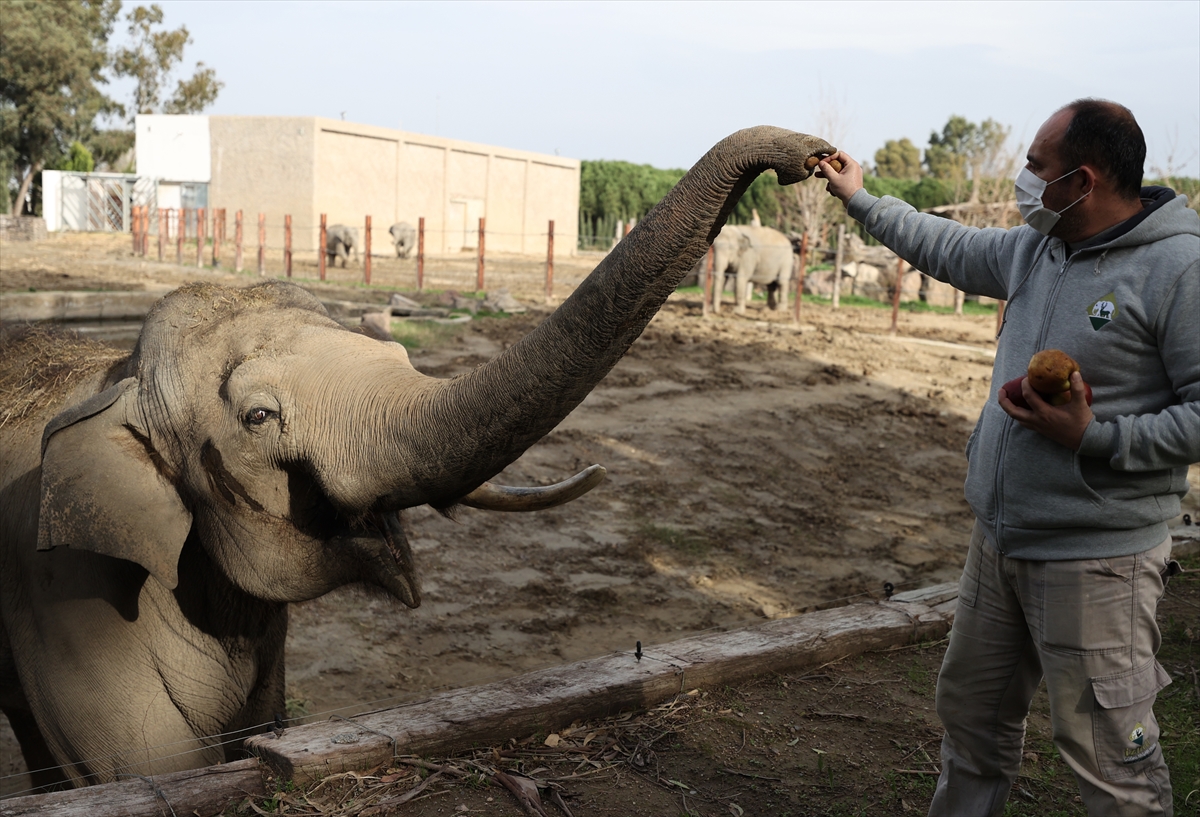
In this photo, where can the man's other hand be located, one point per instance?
(1064, 424)
(842, 184)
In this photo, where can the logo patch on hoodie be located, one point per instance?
(1103, 311)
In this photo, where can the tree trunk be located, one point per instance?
(19, 202)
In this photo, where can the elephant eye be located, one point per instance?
(258, 415)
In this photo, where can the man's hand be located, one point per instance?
(1063, 424)
(845, 184)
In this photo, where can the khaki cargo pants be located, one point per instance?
(1089, 627)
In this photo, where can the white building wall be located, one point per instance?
(173, 148)
(52, 199)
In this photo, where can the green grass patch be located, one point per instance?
(1178, 704)
(969, 307)
(424, 334)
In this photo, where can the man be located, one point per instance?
(1070, 551)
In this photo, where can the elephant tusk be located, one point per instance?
(491, 497)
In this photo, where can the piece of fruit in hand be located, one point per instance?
(1049, 375)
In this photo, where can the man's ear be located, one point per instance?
(1090, 179)
(102, 490)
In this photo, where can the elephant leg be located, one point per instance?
(43, 767)
(773, 296)
(783, 289)
(740, 292)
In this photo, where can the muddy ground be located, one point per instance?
(756, 469)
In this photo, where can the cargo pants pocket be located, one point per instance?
(1123, 724)
(968, 585)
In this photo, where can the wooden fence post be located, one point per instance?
(707, 296)
(200, 225)
(180, 221)
(838, 257)
(999, 316)
(367, 253)
(896, 296)
(321, 249)
(218, 234)
(133, 228)
(237, 242)
(800, 277)
(420, 253)
(262, 243)
(479, 268)
(161, 233)
(550, 263)
(287, 245)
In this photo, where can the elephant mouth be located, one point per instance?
(404, 580)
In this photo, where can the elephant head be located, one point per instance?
(285, 446)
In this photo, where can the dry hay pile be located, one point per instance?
(39, 366)
(533, 771)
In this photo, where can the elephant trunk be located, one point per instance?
(473, 426)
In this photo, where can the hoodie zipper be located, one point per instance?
(1008, 421)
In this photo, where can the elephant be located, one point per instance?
(159, 509)
(768, 262)
(727, 250)
(341, 242)
(751, 255)
(404, 237)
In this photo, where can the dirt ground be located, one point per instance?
(756, 469)
(855, 737)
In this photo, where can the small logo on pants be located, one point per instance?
(1138, 752)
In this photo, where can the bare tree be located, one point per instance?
(815, 207)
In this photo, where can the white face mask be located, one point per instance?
(1029, 200)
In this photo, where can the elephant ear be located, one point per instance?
(103, 491)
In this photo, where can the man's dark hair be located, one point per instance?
(1105, 135)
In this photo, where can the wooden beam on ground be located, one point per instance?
(551, 699)
(204, 792)
(18, 307)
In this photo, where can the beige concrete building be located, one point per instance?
(306, 166)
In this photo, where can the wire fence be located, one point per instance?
(221, 739)
(342, 253)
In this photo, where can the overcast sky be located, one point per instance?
(659, 83)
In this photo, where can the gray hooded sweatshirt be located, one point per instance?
(1126, 306)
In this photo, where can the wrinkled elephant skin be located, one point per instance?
(158, 511)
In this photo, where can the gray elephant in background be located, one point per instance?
(768, 262)
(404, 238)
(160, 509)
(341, 242)
(728, 247)
(751, 256)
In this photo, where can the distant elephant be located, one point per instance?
(728, 249)
(752, 256)
(341, 242)
(768, 262)
(160, 509)
(404, 237)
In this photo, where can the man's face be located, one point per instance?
(1044, 160)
